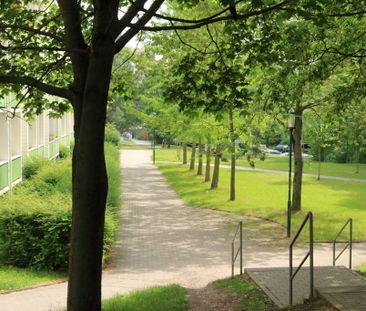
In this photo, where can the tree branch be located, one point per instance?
(216, 45)
(31, 30)
(347, 14)
(41, 48)
(25, 80)
(123, 39)
(130, 56)
(127, 18)
(189, 45)
(71, 16)
(212, 20)
(189, 21)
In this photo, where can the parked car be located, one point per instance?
(271, 151)
(281, 148)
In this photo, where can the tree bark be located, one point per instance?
(89, 183)
(179, 150)
(298, 167)
(184, 153)
(193, 155)
(208, 164)
(215, 175)
(358, 161)
(233, 158)
(200, 159)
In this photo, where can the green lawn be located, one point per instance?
(274, 162)
(157, 298)
(16, 278)
(361, 269)
(252, 299)
(265, 195)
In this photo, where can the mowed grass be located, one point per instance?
(265, 195)
(157, 298)
(252, 298)
(16, 278)
(280, 163)
(361, 269)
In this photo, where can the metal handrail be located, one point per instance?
(349, 244)
(310, 255)
(239, 250)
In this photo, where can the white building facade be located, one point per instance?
(20, 139)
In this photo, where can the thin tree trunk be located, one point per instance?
(184, 153)
(193, 155)
(200, 158)
(319, 161)
(89, 183)
(233, 158)
(208, 164)
(358, 162)
(179, 151)
(298, 167)
(215, 175)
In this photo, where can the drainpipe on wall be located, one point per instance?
(10, 162)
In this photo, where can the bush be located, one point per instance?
(64, 152)
(35, 221)
(111, 134)
(35, 230)
(114, 176)
(56, 174)
(33, 164)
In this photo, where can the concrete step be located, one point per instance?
(341, 287)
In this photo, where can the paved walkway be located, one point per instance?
(163, 241)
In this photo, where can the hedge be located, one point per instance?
(35, 220)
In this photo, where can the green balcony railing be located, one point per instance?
(16, 168)
(53, 148)
(4, 177)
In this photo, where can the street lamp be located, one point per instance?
(290, 125)
(154, 146)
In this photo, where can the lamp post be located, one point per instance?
(154, 146)
(290, 125)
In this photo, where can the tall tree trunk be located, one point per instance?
(208, 163)
(233, 158)
(179, 151)
(298, 167)
(200, 158)
(358, 161)
(89, 183)
(215, 175)
(193, 157)
(184, 153)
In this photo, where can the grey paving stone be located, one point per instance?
(342, 287)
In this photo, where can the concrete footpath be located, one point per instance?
(162, 241)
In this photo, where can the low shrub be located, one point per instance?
(32, 164)
(56, 174)
(114, 176)
(64, 151)
(35, 220)
(34, 230)
(111, 135)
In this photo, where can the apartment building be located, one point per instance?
(20, 139)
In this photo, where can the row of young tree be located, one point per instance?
(303, 54)
(236, 81)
